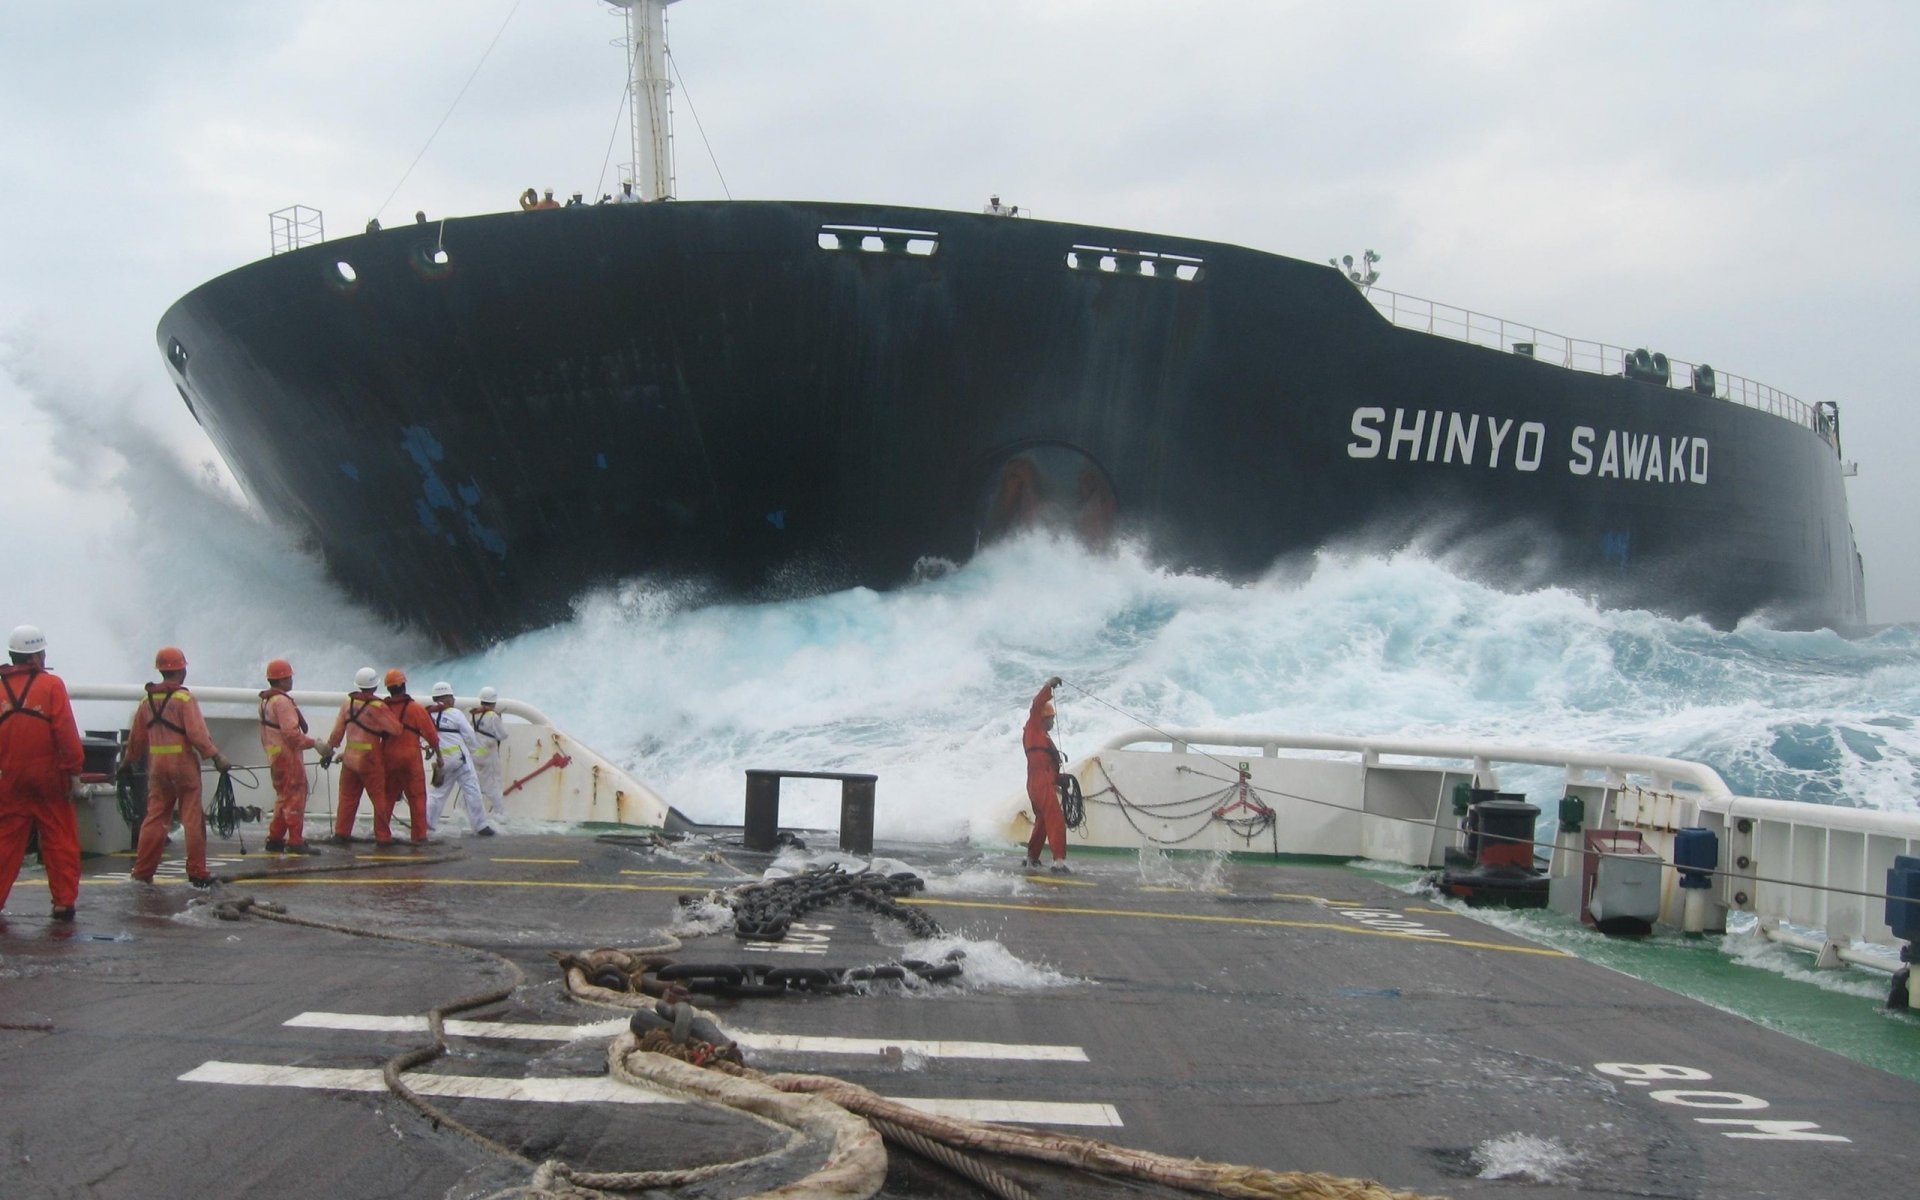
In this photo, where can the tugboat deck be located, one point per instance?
(1296, 1017)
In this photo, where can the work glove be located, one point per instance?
(1054, 682)
(326, 754)
(76, 790)
(439, 775)
(124, 771)
(221, 765)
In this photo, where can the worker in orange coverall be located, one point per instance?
(1043, 780)
(40, 761)
(365, 724)
(169, 732)
(405, 774)
(284, 736)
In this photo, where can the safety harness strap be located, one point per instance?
(267, 698)
(353, 718)
(157, 713)
(18, 704)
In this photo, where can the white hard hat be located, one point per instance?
(488, 695)
(365, 677)
(443, 688)
(27, 639)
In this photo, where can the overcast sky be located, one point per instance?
(1727, 182)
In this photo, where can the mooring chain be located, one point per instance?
(764, 911)
(624, 974)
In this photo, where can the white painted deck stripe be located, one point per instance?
(795, 1043)
(1020, 1112)
(607, 1091)
(544, 1091)
(1005, 1051)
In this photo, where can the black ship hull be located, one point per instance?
(789, 397)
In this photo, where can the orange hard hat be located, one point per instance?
(170, 658)
(279, 668)
(396, 677)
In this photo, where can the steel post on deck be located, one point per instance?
(762, 830)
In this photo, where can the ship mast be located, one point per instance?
(648, 92)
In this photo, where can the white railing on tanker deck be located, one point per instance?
(1496, 333)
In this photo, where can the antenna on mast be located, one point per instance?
(649, 93)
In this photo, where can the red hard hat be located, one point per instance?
(396, 677)
(279, 668)
(170, 658)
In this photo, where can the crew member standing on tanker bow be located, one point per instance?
(40, 761)
(405, 774)
(489, 752)
(366, 724)
(454, 770)
(169, 732)
(1043, 780)
(283, 735)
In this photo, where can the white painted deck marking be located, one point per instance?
(607, 1091)
(796, 1043)
(475, 1087)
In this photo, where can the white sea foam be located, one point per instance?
(1524, 1156)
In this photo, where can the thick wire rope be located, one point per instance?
(674, 66)
(618, 114)
(449, 113)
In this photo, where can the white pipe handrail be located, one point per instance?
(1696, 775)
(132, 693)
(1497, 333)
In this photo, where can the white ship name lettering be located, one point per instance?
(1458, 439)
(1424, 435)
(1639, 456)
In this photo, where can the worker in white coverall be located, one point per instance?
(455, 768)
(490, 752)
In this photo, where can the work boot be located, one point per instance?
(302, 848)
(200, 881)
(484, 831)
(63, 914)
(1031, 864)
(341, 839)
(141, 878)
(276, 846)
(1060, 868)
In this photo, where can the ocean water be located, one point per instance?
(928, 685)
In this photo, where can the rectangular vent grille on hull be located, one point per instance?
(1144, 264)
(879, 239)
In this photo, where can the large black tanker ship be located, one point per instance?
(783, 397)
(501, 411)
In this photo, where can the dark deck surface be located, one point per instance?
(1298, 1019)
